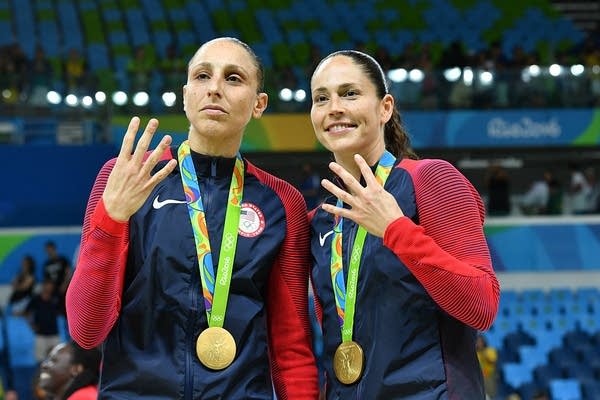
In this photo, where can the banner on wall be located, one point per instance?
(428, 129)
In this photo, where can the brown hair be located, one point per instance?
(396, 138)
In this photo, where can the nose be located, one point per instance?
(214, 87)
(335, 106)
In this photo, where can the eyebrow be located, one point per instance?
(226, 67)
(342, 87)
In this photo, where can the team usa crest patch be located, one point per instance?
(252, 221)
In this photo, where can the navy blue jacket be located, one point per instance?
(150, 351)
(414, 350)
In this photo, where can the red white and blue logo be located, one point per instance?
(252, 221)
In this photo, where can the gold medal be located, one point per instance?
(348, 362)
(215, 348)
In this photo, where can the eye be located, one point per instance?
(234, 78)
(319, 98)
(351, 93)
(202, 76)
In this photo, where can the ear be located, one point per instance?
(184, 91)
(262, 100)
(387, 108)
(76, 370)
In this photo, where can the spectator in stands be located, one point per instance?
(140, 69)
(75, 71)
(144, 286)
(22, 286)
(40, 78)
(579, 190)
(70, 373)
(416, 280)
(42, 311)
(173, 69)
(488, 357)
(535, 200)
(498, 188)
(57, 269)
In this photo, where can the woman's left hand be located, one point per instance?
(373, 207)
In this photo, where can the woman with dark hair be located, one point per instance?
(402, 273)
(70, 373)
(193, 268)
(22, 285)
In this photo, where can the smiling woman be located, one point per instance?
(70, 373)
(402, 273)
(194, 258)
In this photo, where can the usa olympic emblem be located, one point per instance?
(252, 221)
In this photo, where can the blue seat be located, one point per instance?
(22, 342)
(565, 389)
(516, 374)
(563, 358)
(532, 357)
(545, 373)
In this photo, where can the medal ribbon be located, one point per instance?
(215, 291)
(345, 295)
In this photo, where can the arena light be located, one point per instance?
(486, 78)
(169, 98)
(416, 75)
(555, 70)
(87, 101)
(71, 100)
(468, 76)
(285, 94)
(100, 97)
(397, 75)
(596, 69)
(577, 69)
(452, 74)
(119, 98)
(300, 95)
(534, 70)
(52, 97)
(141, 99)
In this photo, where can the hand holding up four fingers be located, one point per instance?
(130, 181)
(372, 207)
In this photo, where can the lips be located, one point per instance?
(213, 107)
(339, 127)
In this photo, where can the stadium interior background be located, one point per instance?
(484, 84)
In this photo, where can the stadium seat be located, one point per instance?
(532, 357)
(516, 374)
(565, 389)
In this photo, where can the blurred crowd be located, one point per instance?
(423, 76)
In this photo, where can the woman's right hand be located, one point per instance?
(130, 182)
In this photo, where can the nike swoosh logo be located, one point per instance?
(159, 204)
(323, 237)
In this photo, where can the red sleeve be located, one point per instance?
(93, 297)
(94, 294)
(448, 252)
(292, 361)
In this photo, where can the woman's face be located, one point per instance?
(221, 91)
(56, 371)
(347, 115)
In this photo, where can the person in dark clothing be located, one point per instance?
(498, 187)
(42, 311)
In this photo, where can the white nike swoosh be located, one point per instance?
(323, 237)
(159, 204)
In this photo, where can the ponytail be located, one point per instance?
(396, 139)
